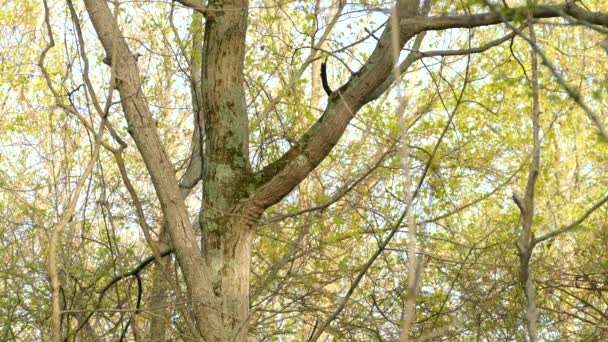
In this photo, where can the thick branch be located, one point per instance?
(339, 193)
(485, 19)
(195, 5)
(280, 177)
(143, 130)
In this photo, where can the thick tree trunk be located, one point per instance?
(228, 256)
(227, 220)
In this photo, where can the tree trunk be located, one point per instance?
(228, 256)
(227, 220)
(159, 296)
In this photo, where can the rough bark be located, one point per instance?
(484, 19)
(280, 177)
(142, 129)
(227, 220)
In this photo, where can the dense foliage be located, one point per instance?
(335, 250)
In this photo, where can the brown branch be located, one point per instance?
(338, 194)
(280, 177)
(194, 170)
(197, 6)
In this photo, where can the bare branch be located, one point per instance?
(572, 225)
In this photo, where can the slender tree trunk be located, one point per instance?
(144, 133)
(526, 243)
(159, 297)
(161, 288)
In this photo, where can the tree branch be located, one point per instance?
(195, 5)
(486, 19)
(280, 177)
(572, 225)
(143, 130)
